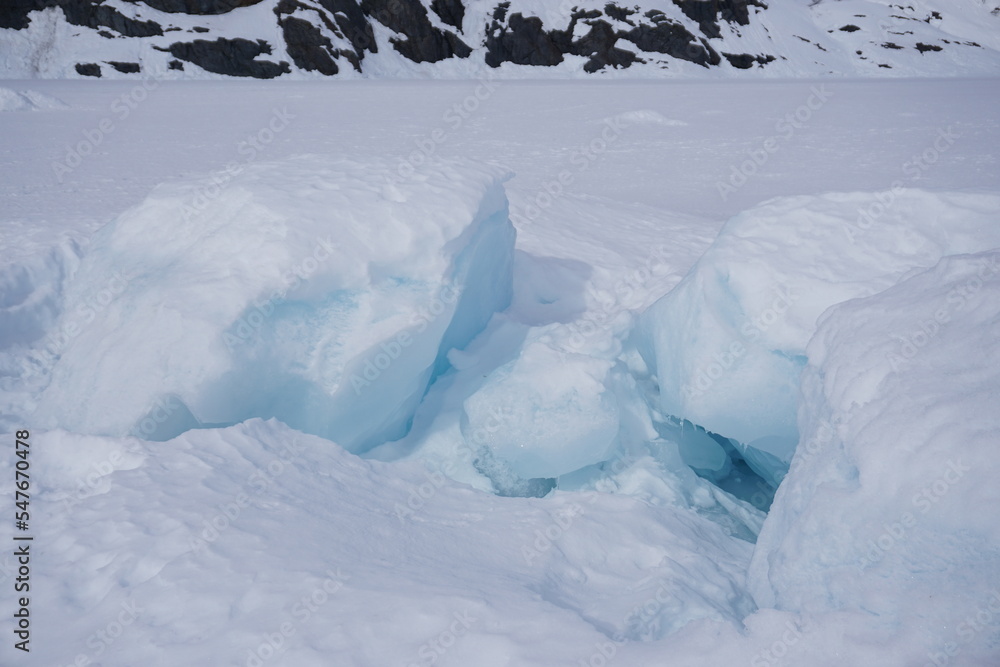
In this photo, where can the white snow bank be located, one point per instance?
(647, 117)
(28, 100)
(312, 290)
(727, 344)
(886, 507)
(257, 544)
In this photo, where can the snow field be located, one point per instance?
(247, 541)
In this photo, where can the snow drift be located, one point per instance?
(881, 508)
(28, 100)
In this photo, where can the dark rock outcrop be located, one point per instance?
(673, 39)
(88, 69)
(200, 7)
(424, 43)
(524, 41)
(619, 13)
(94, 15)
(353, 25)
(14, 13)
(708, 13)
(746, 61)
(599, 46)
(125, 68)
(451, 12)
(308, 47)
(235, 57)
(703, 12)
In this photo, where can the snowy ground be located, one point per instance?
(842, 329)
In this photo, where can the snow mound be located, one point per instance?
(727, 345)
(28, 100)
(647, 117)
(11, 100)
(899, 435)
(313, 290)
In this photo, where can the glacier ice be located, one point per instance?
(727, 345)
(553, 413)
(636, 514)
(315, 290)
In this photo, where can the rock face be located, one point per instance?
(379, 38)
(424, 42)
(236, 57)
(88, 69)
(198, 6)
(14, 13)
(310, 48)
(662, 35)
(451, 12)
(523, 40)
